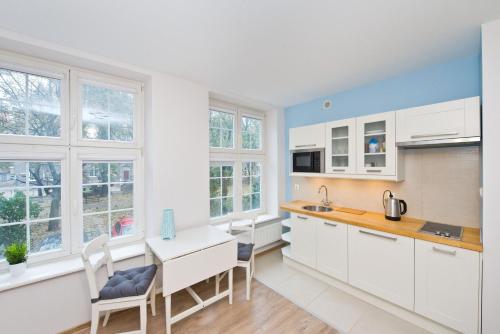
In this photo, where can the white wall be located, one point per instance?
(491, 176)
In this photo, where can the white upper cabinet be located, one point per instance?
(307, 137)
(447, 285)
(382, 264)
(340, 151)
(331, 245)
(447, 120)
(376, 144)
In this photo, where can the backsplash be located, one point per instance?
(441, 184)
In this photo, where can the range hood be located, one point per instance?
(445, 142)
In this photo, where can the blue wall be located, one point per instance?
(456, 79)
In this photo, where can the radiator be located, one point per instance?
(265, 234)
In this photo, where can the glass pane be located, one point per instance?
(12, 117)
(251, 132)
(94, 172)
(94, 226)
(12, 206)
(45, 236)
(246, 168)
(255, 201)
(11, 234)
(12, 174)
(214, 119)
(122, 223)
(107, 113)
(376, 160)
(215, 170)
(95, 198)
(215, 188)
(255, 184)
(227, 205)
(375, 144)
(340, 132)
(374, 127)
(29, 104)
(227, 171)
(340, 146)
(226, 139)
(227, 187)
(121, 172)
(247, 202)
(45, 173)
(247, 189)
(45, 203)
(122, 196)
(226, 120)
(215, 207)
(340, 161)
(215, 137)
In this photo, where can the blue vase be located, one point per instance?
(168, 226)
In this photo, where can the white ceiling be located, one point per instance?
(276, 51)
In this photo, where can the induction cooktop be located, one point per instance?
(442, 230)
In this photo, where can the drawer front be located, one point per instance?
(447, 285)
(382, 264)
(187, 270)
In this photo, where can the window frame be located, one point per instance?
(34, 66)
(262, 195)
(78, 155)
(225, 162)
(79, 77)
(34, 153)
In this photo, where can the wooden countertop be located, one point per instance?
(407, 227)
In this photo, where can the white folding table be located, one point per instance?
(193, 256)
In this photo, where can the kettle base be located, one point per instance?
(393, 218)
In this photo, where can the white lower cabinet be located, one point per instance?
(303, 243)
(382, 264)
(447, 285)
(331, 249)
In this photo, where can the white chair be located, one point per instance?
(244, 222)
(100, 301)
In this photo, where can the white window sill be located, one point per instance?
(261, 219)
(42, 272)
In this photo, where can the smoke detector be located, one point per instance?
(327, 104)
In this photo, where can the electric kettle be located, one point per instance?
(393, 207)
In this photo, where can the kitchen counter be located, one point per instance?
(408, 227)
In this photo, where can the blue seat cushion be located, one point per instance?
(244, 251)
(127, 283)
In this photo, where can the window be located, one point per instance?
(251, 181)
(237, 157)
(30, 205)
(251, 133)
(221, 129)
(221, 189)
(101, 150)
(29, 104)
(107, 199)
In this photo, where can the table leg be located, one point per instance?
(230, 285)
(149, 258)
(168, 314)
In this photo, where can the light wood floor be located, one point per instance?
(266, 312)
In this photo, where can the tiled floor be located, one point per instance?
(340, 310)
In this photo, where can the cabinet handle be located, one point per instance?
(308, 145)
(374, 171)
(301, 217)
(338, 170)
(330, 224)
(435, 135)
(378, 235)
(444, 251)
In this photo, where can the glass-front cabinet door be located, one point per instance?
(376, 144)
(340, 152)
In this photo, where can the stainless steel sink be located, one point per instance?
(317, 208)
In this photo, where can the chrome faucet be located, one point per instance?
(325, 201)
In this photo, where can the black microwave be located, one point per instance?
(310, 161)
